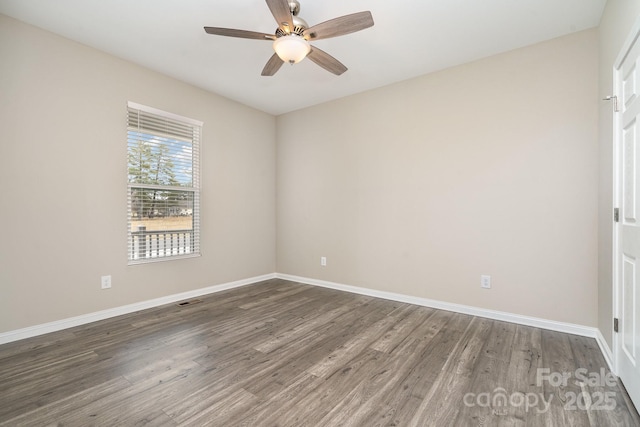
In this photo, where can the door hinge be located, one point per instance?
(615, 102)
(616, 214)
(615, 324)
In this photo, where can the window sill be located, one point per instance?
(162, 259)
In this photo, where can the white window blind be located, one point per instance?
(163, 220)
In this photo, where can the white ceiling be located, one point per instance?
(409, 38)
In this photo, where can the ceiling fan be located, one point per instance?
(291, 38)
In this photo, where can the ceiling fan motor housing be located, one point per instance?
(299, 24)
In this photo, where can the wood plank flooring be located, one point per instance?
(280, 353)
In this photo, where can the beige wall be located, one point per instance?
(617, 20)
(422, 186)
(63, 174)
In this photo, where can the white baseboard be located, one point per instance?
(58, 325)
(606, 351)
(536, 322)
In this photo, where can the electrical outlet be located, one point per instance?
(323, 261)
(485, 281)
(105, 282)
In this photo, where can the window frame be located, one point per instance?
(194, 189)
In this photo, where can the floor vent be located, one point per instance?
(191, 302)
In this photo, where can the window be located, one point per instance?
(163, 220)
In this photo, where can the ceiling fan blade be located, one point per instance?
(280, 10)
(340, 26)
(230, 32)
(273, 65)
(326, 61)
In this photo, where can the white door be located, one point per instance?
(627, 123)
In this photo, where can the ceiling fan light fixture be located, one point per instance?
(291, 48)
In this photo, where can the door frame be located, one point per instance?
(633, 37)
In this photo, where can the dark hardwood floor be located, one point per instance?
(287, 354)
